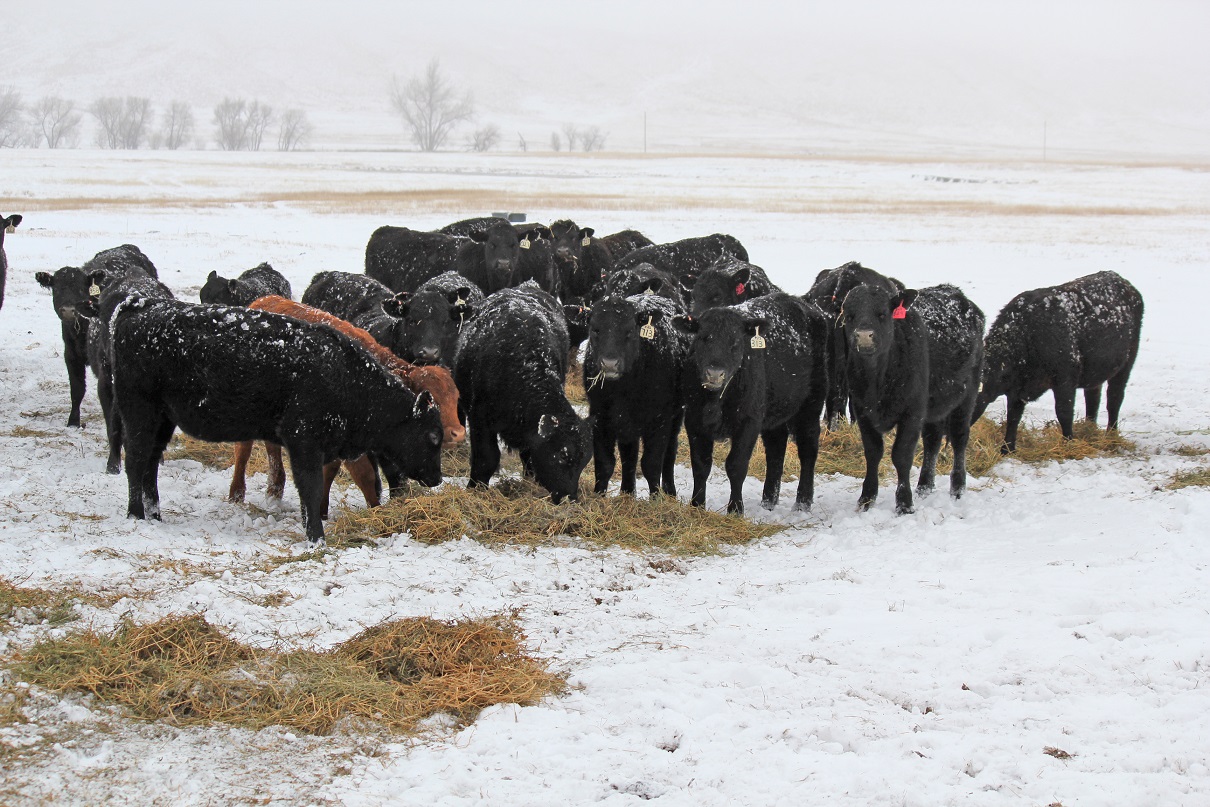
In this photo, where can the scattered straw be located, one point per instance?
(35, 605)
(1189, 479)
(186, 671)
(516, 512)
(573, 386)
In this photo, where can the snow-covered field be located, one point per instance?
(853, 659)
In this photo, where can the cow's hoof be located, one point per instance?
(802, 507)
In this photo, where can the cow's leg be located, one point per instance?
(365, 477)
(672, 439)
(239, 471)
(775, 461)
(1115, 392)
(872, 447)
(277, 470)
(485, 453)
(655, 445)
(77, 380)
(959, 434)
(907, 435)
(603, 442)
(806, 438)
(306, 464)
(1092, 402)
(701, 458)
(330, 470)
(1065, 406)
(931, 438)
(628, 451)
(113, 426)
(151, 474)
(141, 422)
(1016, 408)
(738, 458)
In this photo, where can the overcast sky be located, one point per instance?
(1105, 72)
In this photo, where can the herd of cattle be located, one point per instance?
(476, 324)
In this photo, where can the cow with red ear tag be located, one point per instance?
(755, 369)
(728, 281)
(914, 359)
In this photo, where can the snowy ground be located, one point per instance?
(853, 659)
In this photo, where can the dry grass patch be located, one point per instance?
(185, 671)
(217, 456)
(26, 431)
(35, 605)
(518, 512)
(1199, 478)
(1187, 450)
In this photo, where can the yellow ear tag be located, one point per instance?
(758, 341)
(11, 229)
(587, 239)
(525, 243)
(94, 290)
(648, 291)
(648, 330)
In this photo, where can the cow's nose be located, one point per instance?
(428, 354)
(865, 341)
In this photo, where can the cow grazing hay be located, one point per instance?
(518, 512)
(185, 671)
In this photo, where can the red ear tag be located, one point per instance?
(739, 289)
(900, 312)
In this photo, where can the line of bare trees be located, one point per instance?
(130, 123)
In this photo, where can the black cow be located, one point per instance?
(492, 259)
(98, 350)
(69, 290)
(251, 285)
(510, 367)
(1081, 334)
(364, 302)
(632, 371)
(644, 279)
(830, 288)
(228, 374)
(434, 317)
(7, 224)
(914, 359)
(755, 369)
(689, 256)
(578, 277)
(728, 281)
(402, 259)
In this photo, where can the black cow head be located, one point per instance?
(723, 339)
(69, 288)
(413, 443)
(8, 224)
(559, 449)
(432, 321)
(502, 245)
(570, 240)
(219, 290)
(868, 316)
(722, 284)
(616, 331)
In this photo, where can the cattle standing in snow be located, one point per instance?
(434, 317)
(728, 281)
(755, 369)
(229, 374)
(7, 224)
(632, 371)
(914, 360)
(510, 367)
(645, 279)
(69, 288)
(828, 292)
(492, 258)
(402, 259)
(687, 257)
(577, 277)
(536, 256)
(1081, 334)
(364, 302)
(260, 281)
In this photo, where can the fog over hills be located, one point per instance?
(937, 78)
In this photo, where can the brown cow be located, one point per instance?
(436, 380)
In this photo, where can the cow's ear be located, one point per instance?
(459, 296)
(547, 424)
(212, 276)
(44, 279)
(652, 286)
(686, 324)
(906, 298)
(586, 232)
(424, 402)
(688, 280)
(12, 221)
(741, 275)
(577, 314)
(97, 279)
(753, 323)
(461, 311)
(396, 306)
(541, 231)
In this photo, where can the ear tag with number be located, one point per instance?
(11, 229)
(94, 290)
(648, 330)
(648, 291)
(525, 243)
(900, 312)
(739, 289)
(758, 341)
(587, 240)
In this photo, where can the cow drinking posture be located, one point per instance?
(228, 374)
(755, 369)
(913, 365)
(1081, 334)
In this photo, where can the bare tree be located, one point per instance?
(294, 130)
(12, 132)
(485, 138)
(592, 139)
(259, 117)
(571, 136)
(231, 118)
(55, 121)
(430, 106)
(108, 112)
(177, 126)
(555, 142)
(136, 117)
